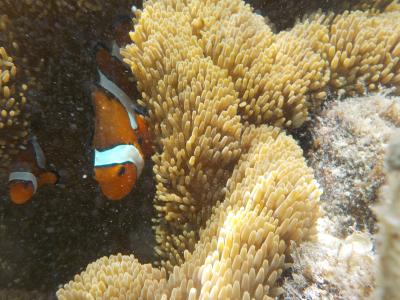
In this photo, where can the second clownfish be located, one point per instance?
(28, 173)
(121, 138)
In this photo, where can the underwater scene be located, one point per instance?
(199, 149)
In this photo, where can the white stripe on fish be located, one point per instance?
(39, 155)
(115, 51)
(125, 100)
(24, 176)
(118, 155)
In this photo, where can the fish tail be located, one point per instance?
(146, 144)
(48, 177)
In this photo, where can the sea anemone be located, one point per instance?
(271, 201)
(13, 117)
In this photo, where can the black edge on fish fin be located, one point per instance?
(121, 19)
(99, 45)
(141, 110)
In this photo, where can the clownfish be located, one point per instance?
(121, 138)
(28, 173)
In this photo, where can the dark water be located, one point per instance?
(46, 241)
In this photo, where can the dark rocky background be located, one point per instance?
(46, 241)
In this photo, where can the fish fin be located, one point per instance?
(141, 110)
(98, 46)
(122, 26)
(114, 70)
(145, 136)
(104, 59)
(48, 177)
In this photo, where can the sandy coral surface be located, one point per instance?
(349, 142)
(332, 267)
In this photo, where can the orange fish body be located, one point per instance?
(28, 173)
(119, 159)
(121, 139)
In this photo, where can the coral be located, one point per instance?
(276, 82)
(331, 267)
(13, 119)
(179, 82)
(234, 258)
(284, 13)
(389, 217)
(297, 79)
(393, 6)
(350, 53)
(196, 127)
(364, 51)
(349, 139)
(371, 4)
(198, 153)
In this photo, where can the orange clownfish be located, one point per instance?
(121, 138)
(28, 173)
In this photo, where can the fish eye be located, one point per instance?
(121, 171)
(140, 141)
